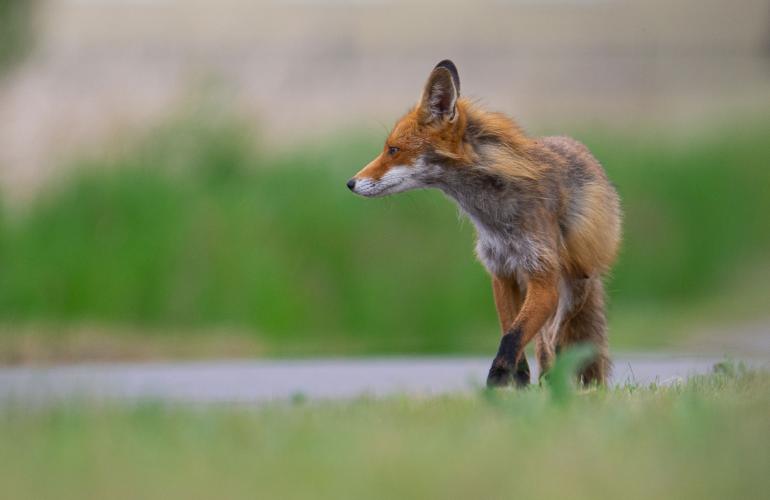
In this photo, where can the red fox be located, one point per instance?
(547, 219)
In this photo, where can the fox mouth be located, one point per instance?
(371, 189)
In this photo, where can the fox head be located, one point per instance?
(423, 142)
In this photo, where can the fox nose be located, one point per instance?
(351, 184)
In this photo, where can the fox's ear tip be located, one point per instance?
(448, 65)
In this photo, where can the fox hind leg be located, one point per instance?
(588, 324)
(544, 352)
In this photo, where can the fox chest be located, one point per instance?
(507, 253)
(504, 245)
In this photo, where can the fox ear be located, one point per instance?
(439, 97)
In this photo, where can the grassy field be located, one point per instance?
(706, 438)
(199, 230)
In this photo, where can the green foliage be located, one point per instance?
(702, 439)
(199, 228)
(692, 209)
(16, 27)
(562, 376)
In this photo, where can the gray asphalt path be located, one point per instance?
(253, 382)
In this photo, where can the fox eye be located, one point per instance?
(393, 150)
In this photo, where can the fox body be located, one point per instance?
(548, 221)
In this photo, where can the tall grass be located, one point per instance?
(197, 227)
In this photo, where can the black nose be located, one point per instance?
(351, 184)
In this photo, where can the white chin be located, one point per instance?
(372, 189)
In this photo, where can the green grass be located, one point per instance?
(197, 228)
(706, 438)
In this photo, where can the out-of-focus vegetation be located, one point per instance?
(16, 30)
(698, 440)
(198, 228)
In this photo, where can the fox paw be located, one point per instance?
(501, 375)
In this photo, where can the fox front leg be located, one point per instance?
(510, 364)
(508, 299)
(508, 367)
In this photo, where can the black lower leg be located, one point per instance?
(505, 368)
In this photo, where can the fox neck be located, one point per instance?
(500, 191)
(488, 199)
(487, 184)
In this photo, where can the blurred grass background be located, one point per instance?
(172, 186)
(16, 31)
(198, 227)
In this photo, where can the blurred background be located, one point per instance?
(172, 171)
